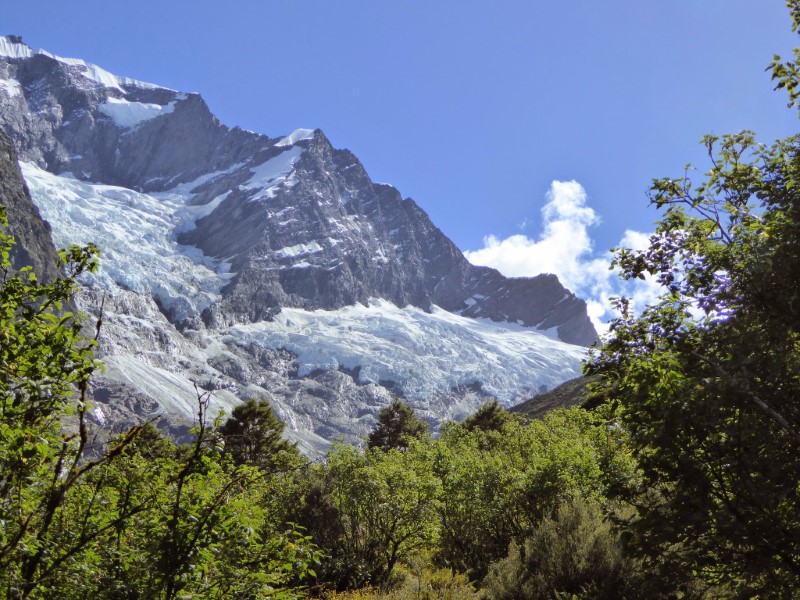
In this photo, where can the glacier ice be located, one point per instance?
(136, 236)
(11, 49)
(423, 353)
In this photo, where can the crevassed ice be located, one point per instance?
(424, 353)
(136, 236)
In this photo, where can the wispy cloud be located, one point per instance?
(564, 247)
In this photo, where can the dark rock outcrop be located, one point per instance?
(569, 394)
(34, 245)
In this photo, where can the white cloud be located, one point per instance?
(564, 247)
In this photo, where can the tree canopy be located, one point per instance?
(706, 381)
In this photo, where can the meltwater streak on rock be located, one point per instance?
(289, 222)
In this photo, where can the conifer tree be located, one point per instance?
(396, 423)
(253, 435)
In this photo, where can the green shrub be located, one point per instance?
(573, 552)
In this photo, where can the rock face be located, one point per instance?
(214, 228)
(34, 246)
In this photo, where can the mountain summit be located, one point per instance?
(266, 266)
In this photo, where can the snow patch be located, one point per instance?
(127, 114)
(298, 250)
(380, 257)
(99, 415)
(187, 189)
(11, 87)
(298, 135)
(269, 176)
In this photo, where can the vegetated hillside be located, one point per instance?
(574, 392)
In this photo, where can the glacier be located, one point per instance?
(422, 353)
(12, 49)
(135, 233)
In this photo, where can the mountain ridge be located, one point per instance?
(238, 226)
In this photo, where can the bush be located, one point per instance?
(573, 552)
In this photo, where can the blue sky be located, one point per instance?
(472, 108)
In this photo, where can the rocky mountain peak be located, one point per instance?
(212, 235)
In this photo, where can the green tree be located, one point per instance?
(706, 381)
(489, 417)
(397, 423)
(372, 509)
(209, 531)
(203, 527)
(253, 435)
(44, 363)
(150, 442)
(498, 485)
